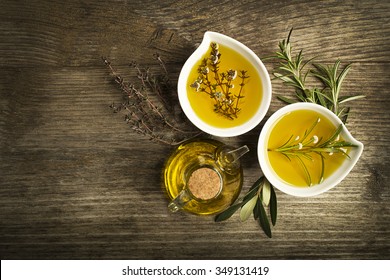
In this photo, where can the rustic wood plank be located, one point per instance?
(345, 29)
(78, 183)
(79, 35)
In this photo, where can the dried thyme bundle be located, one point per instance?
(146, 105)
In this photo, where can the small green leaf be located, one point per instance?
(227, 213)
(247, 208)
(334, 136)
(306, 171)
(263, 219)
(256, 210)
(253, 190)
(308, 131)
(292, 71)
(273, 205)
(286, 99)
(323, 98)
(343, 73)
(349, 98)
(343, 114)
(322, 168)
(266, 192)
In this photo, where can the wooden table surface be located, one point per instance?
(77, 182)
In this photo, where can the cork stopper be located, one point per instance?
(204, 183)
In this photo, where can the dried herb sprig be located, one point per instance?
(303, 147)
(259, 196)
(145, 113)
(220, 86)
(292, 72)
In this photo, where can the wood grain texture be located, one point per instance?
(77, 183)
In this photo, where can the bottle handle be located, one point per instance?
(233, 156)
(180, 201)
(228, 159)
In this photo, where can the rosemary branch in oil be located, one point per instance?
(292, 71)
(303, 147)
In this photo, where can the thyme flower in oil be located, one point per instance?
(303, 147)
(224, 88)
(292, 72)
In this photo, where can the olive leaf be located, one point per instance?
(273, 205)
(266, 193)
(227, 213)
(263, 219)
(261, 193)
(247, 208)
(252, 191)
(255, 210)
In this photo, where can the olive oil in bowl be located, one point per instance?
(238, 95)
(304, 149)
(224, 88)
(288, 165)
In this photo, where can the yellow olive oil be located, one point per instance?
(291, 170)
(203, 104)
(187, 160)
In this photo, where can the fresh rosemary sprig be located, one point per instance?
(259, 195)
(292, 72)
(219, 86)
(303, 147)
(146, 109)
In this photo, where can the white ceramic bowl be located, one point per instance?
(252, 58)
(328, 182)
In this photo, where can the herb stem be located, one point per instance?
(219, 86)
(291, 72)
(142, 113)
(303, 147)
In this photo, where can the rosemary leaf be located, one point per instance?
(339, 80)
(291, 71)
(286, 99)
(306, 171)
(322, 74)
(308, 131)
(303, 148)
(332, 138)
(345, 99)
(343, 115)
(322, 168)
(324, 97)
